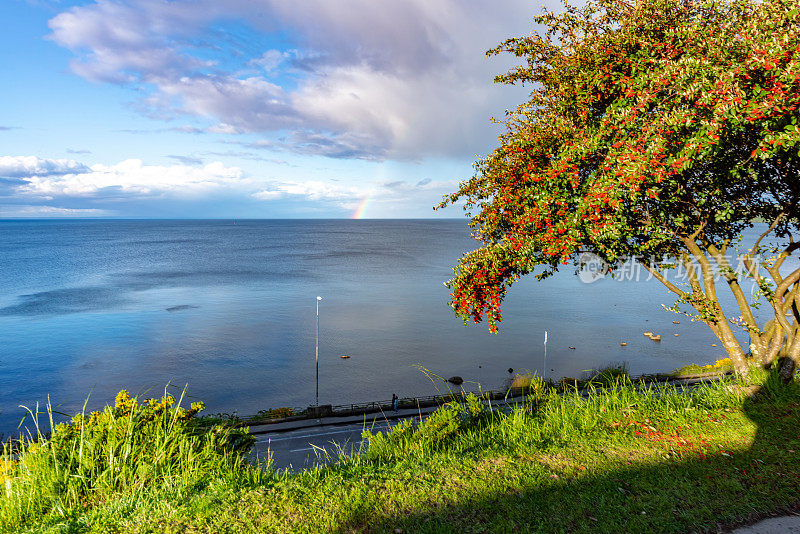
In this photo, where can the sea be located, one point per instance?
(226, 311)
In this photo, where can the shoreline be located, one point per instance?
(386, 407)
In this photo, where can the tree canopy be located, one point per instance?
(654, 130)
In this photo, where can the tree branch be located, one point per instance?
(736, 289)
(660, 277)
(729, 341)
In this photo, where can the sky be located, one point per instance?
(248, 108)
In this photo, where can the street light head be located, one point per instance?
(319, 298)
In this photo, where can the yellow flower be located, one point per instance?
(122, 399)
(6, 469)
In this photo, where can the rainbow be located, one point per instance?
(358, 213)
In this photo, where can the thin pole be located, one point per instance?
(317, 351)
(544, 373)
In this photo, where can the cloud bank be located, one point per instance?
(37, 187)
(365, 79)
(68, 178)
(31, 166)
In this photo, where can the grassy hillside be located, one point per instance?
(643, 460)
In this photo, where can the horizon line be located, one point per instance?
(143, 218)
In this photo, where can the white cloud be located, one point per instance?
(132, 179)
(249, 104)
(50, 211)
(270, 60)
(223, 129)
(43, 187)
(373, 79)
(26, 166)
(312, 190)
(268, 195)
(389, 194)
(51, 178)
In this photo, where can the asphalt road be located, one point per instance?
(306, 447)
(303, 448)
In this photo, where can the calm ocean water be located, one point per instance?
(228, 308)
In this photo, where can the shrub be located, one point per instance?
(123, 449)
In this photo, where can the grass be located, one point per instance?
(96, 459)
(723, 365)
(647, 458)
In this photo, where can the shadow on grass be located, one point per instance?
(679, 494)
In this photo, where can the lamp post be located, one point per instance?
(544, 370)
(317, 350)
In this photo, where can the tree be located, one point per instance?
(660, 131)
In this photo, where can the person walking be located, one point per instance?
(394, 402)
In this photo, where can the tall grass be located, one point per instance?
(547, 417)
(130, 450)
(156, 467)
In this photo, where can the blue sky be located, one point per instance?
(247, 108)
